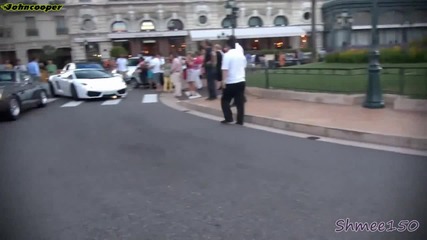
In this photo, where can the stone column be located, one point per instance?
(132, 24)
(78, 51)
(135, 46)
(160, 23)
(191, 46)
(242, 16)
(21, 53)
(295, 42)
(105, 49)
(269, 22)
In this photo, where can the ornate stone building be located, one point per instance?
(93, 27)
(348, 22)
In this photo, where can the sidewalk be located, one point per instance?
(355, 123)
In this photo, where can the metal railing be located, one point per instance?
(61, 31)
(409, 81)
(32, 32)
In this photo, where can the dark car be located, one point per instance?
(18, 91)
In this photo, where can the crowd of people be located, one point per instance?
(218, 68)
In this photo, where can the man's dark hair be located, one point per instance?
(231, 42)
(208, 43)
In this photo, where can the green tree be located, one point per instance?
(118, 51)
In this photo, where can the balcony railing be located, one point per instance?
(5, 33)
(32, 32)
(57, 2)
(61, 31)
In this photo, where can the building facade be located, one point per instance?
(347, 23)
(88, 28)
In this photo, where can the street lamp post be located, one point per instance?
(374, 97)
(86, 49)
(232, 11)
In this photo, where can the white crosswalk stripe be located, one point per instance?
(111, 102)
(150, 98)
(51, 100)
(72, 104)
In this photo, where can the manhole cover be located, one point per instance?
(313, 138)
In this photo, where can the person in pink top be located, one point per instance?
(197, 67)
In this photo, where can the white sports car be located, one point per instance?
(87, 84)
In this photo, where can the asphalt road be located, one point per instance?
(143, 171)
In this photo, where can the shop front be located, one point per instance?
(150, 43)
(259, 38)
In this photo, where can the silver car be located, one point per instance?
(18, 91)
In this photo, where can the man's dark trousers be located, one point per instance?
(209, 70)
(236, 91)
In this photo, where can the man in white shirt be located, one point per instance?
(122, 66)
(234, 77)
(155, 66)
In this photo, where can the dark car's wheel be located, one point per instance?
(14, 108)
(74, 93)
(42, 99)
(52, 90)
(133, 83)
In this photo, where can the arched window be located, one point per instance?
(175, 24)
(226, 23)
(119, 26)
(148, 26)
(281, 21)
(88, 23)
(255, 22)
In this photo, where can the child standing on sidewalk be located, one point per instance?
(167, 86)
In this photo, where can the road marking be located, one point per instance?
(111, 102)
(72, 104)
(51, 100)
(150, 98)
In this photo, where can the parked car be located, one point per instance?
(17, 92)
(132, 75)
(87, 84)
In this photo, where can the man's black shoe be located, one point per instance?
(226, 122)
(210, 99)
(239, 123)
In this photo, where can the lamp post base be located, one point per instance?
(374, 97)
(374, 105)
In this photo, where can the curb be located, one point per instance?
(344, 134)
(392, 101)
